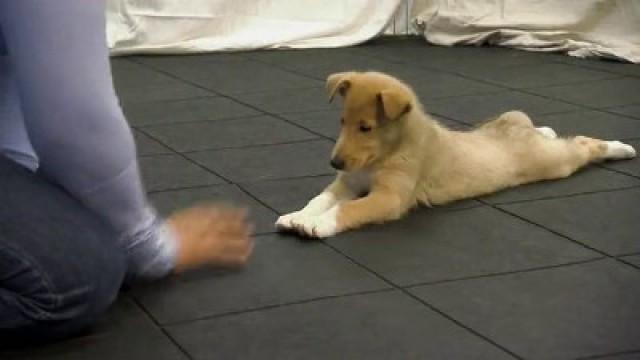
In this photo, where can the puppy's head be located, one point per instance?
(374, 113)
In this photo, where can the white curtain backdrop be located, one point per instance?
(179, 26)
(603, 28)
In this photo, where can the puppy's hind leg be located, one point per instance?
(581, 150)
(547, 132)
(595, 150)
(617, 150)
(519, 118)
(511, 119)
(515, 117)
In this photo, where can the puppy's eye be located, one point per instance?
(365, 128)
(341, 121)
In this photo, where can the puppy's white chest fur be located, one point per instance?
(358, 181)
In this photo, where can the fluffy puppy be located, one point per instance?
(392, 156)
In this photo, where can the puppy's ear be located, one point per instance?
(392, 104)
(339, 83)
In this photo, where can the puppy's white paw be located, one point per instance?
(619, 150)
(286, 222)
(547, 132)
(319, 226)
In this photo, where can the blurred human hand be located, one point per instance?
(211, 235)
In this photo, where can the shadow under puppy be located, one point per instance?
(391, 156)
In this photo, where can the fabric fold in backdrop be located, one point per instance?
(170, 26)
(583, 28)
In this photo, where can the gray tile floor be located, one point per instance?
(545, 271)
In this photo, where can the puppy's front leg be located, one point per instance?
(384, 202)
(377, 207)
(335, 193)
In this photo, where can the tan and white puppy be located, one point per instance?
(391, 156)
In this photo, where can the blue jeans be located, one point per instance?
(61, 265)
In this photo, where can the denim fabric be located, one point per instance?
(61, 266)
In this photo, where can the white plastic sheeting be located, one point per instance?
(184, 26)
(603, 28)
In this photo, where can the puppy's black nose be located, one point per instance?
(337, 163)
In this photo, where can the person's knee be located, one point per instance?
(61, 265)
(79, 302)
(104, 283)
(53, 299)
(96, 289)
(3, 46)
